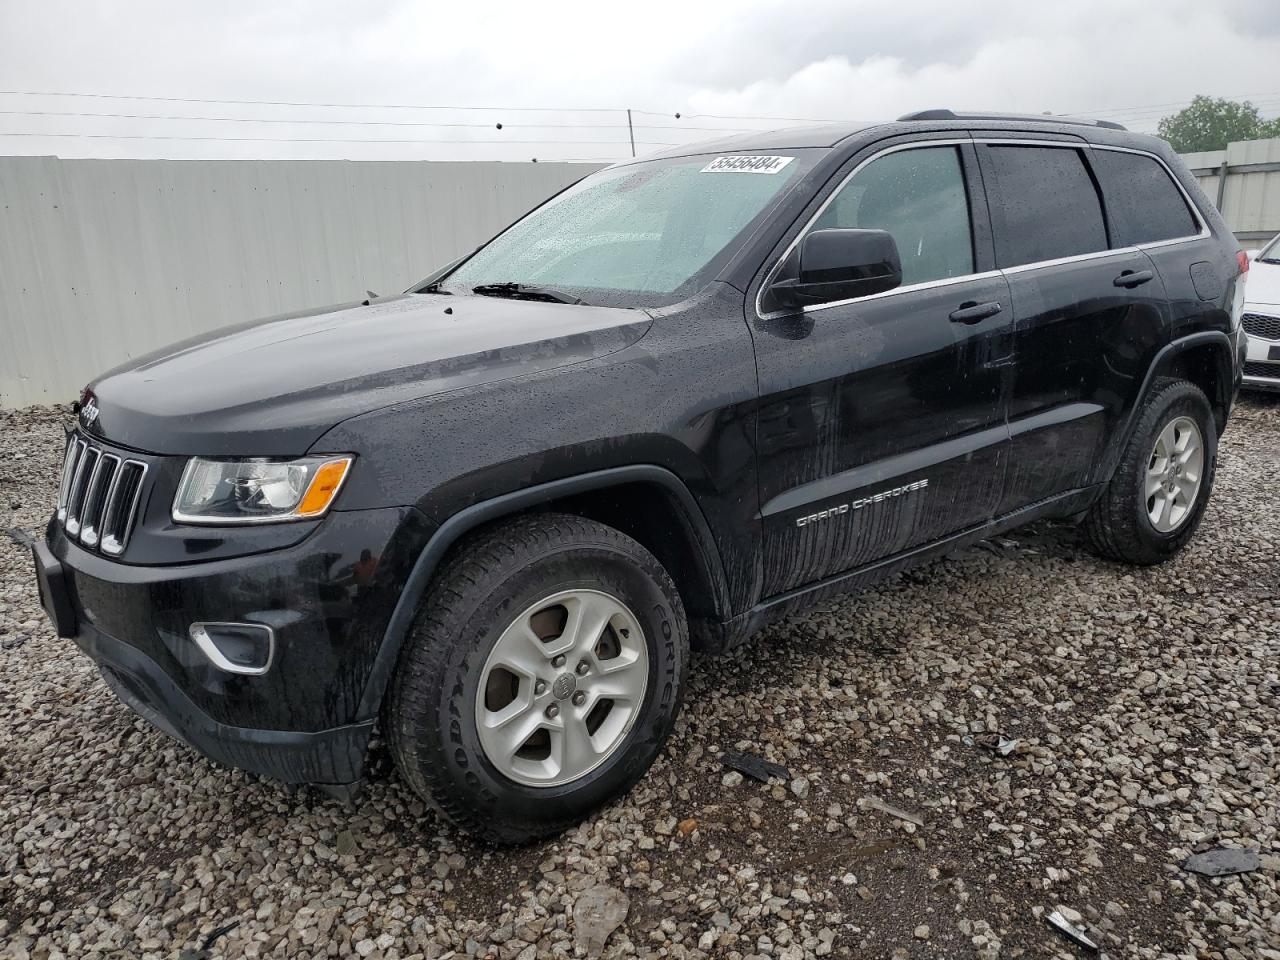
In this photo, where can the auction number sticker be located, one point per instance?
(747, 164)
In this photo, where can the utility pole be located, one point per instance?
(631, 132)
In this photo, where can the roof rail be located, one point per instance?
(1020, 117)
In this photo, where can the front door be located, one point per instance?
(882, 423)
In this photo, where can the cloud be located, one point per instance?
(1081, 65)
(847, 59)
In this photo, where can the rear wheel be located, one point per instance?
(1160, 489)
(541, 678)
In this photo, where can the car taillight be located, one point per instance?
(1242, 260)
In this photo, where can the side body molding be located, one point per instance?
(471, 517)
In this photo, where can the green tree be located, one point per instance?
(1210, 123)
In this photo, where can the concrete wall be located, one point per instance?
(1249, 197)
(103, 260)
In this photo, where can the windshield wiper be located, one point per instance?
(1268, 260)
(525, 291)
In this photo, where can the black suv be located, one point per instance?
(686, 396)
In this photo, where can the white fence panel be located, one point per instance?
(1249, 198)
(104, 260)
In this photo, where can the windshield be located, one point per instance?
(1271, 252)
(645, 234)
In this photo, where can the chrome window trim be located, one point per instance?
(1077, 258)
(1204, 233)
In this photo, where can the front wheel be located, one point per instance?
(1160, 488)
(541, 678)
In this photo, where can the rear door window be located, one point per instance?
(1144, 204)
(1044, 205)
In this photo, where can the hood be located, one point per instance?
(274, 386)
(1263, 286)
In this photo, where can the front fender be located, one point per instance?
(473, 516)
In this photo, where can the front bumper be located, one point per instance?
(328, 600)
(332, 760)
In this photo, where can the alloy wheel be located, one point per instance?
(562, 688)
(1174, 473)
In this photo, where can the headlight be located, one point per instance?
(258, 490)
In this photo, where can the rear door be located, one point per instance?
(1146, 208)
(1088, 314)
(881, 422)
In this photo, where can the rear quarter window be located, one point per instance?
(1044, 205)
(1143, 202)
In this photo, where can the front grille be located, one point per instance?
(1256, 368)
(99, 496)
(1260, 325)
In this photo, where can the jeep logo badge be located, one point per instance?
(564, 686)
(89, 413)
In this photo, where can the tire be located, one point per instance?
(1119, 526)
(453, 667)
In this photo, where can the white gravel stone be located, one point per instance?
(1147, 703)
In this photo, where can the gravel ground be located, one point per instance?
(1145, 703)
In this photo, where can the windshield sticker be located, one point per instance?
(750, 164)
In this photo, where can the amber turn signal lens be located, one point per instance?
(323, 487)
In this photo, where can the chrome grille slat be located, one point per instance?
(79, 486)
(75, 447)
(95, 501)
(117, 524)
(1261, 325)
(99, 496)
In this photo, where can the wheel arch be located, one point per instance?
(1205, 359)
(661, 514)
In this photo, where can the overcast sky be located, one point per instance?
(574, 68)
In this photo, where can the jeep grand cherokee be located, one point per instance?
(684, 397)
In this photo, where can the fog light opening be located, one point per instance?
(243, 648)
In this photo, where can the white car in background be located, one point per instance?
(1262, 319)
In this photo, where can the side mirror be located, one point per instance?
(835, 265)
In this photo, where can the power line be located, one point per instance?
(416, 106)
(155, 116)
(1153, 106)
(367, 123)
(482, 143)
(304, 103)
(717, 116)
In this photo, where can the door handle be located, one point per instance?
(973, 312)
(1133, 278)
